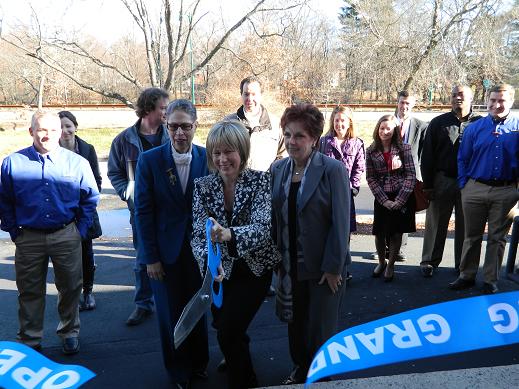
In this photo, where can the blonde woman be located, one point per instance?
(237, 200)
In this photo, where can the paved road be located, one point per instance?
(130, 357)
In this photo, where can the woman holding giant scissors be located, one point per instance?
(237, 201)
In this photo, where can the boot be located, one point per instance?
(87, 301)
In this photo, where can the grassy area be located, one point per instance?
(101, 138)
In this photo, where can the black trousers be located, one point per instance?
(316, 310)
(243, 295)
(181, 282)
(89, 265)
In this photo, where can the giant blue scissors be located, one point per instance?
(201, 301)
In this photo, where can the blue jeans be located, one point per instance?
(143, 293)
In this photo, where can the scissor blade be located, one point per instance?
(193, 311)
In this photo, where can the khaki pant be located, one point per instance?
(482, 203)
(446, 197)
(33, 249)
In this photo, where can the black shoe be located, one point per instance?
(400, 257)
(138, 316)
(222, 366)
(427, 270)
(70, 346)
(460, 284)
(377, 273)
(489, 288)
(349, 276)
(36, 347)
(389, 273)
(87, 302)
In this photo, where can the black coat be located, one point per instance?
(87, 151)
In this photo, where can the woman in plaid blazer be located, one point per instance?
(391, 176)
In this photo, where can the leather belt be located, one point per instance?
(496, 182)
(49, 230)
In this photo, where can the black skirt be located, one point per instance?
(388, 222)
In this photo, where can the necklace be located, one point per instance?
(298, 173)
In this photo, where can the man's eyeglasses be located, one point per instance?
(185, 127)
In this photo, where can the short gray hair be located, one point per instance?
(43, 113)
(184, 106)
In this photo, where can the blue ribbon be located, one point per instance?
(214, 259)
(446, 328)
(23, 367)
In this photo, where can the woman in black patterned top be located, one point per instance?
(237, 200)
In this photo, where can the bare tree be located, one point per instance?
(178, 25)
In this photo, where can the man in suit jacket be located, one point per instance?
(163, 216)
(412, 129)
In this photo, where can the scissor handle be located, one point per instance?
(214, 258)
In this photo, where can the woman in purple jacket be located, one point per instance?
(341, 143)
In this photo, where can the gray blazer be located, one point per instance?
(323, 212)
(417, 129)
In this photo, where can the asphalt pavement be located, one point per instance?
(130, 357)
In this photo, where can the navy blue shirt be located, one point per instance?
(489, 150)
(46, 191)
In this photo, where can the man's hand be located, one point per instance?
(155, 271)
(429, 193)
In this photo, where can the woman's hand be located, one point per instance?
(334, 281)
(221, 274)
(218, 233)
(389, 204)
(155, 271)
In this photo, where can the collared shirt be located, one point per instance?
(46, 191)
(489, 150)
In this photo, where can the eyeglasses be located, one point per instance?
(185, 127)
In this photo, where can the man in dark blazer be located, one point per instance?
(163, 216)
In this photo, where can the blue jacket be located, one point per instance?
(122, 161)
(163, 214)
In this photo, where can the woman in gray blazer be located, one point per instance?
(311, 213)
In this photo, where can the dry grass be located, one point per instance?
(101, 138)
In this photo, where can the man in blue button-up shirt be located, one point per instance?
(47, 198)
(487, 176)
